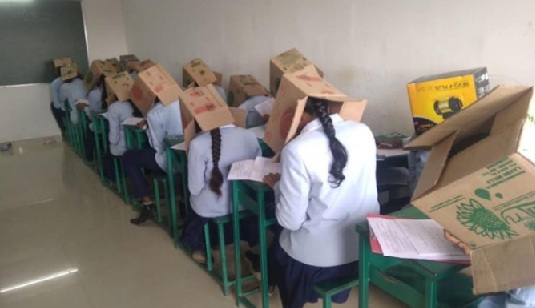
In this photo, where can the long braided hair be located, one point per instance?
(217, 177)
(318, 108)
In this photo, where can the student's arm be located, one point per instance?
(196, 168)
(115, 125)
(292, 191)
(155, 132)
(174, 120)
(63, 94)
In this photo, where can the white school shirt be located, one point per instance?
(94, 98)
(237, 144)
(319, 220)
(54, 93)
(253, 118)
(163, 121)
(73, 91)
(117, 113)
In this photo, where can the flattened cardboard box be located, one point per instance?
(119, 86)
(290, 102)
(97, 69)
(207, 107)
(438, 97)
(241, 87)
(197, 71)
(151, 83)
(287, 62)
(59, 62)
(479, 185)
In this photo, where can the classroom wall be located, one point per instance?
(367, 48)
(24, 111)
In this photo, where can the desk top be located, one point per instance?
(173, 140)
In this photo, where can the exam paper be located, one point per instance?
(254, 170)
(179, 147)
(266, 107)
(105, 115)
(132, 121)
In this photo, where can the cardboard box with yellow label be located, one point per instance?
(435, 98)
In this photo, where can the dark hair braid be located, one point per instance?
(217, 177)
(339, 152)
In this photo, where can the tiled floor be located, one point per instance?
(56, 219)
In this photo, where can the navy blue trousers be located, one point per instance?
(58, 116)
(134, 161)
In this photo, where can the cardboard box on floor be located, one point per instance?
(127, 61)
(119, 87)
(435, 98)
(291, 99)
(59, 62)
(287, 62)
(207, 107)
(196, 71)
(479, 184)
(154, 82)
(97, 69)
(241, 87)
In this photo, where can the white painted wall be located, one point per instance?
(367, 48)
(24, 111)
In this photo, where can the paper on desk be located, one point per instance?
(254, 170)
(179, 147)
(258, 131)
(266, 107)
(385, 153)
(105, 115)
(414, 239)
(132, 121)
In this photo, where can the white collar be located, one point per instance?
(316, 124)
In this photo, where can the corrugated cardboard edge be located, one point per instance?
(240, 116)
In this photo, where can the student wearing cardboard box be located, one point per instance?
(211, 153)
(56, 106)
(247, 93)
(72, 89)
(196, 73)
(156, 94)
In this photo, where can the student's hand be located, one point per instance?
(265, 118)
(81, 106)
(272, 179)
(142, 124)
(455, 241)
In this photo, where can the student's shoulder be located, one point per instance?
(201, 141)
(242, 133)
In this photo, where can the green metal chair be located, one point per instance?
(329, 288)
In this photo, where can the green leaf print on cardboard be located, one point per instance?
(483, 222)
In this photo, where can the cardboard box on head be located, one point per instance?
(115, 64)
(59, 62)
(478, 184)
(119, 87)
(196, 71)
(241, 87)
(154, 82)
(143, 65)
(219, 79)
(98, 69)
(290, 103)
(125, 60)
(240, 116)
(287, 62)
(207, 108)
(69, 71)
(435, 98)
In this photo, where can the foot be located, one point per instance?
(199, 257)
(253, 262)
(147, 212)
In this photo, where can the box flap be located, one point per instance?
(120, 85)
(161, 84)
(471, 118)
(142, 96)
(199, 72)
(240, 116)
(504, 266)
(207, 107)
(434, 167)
(59, 62)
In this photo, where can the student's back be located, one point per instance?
(117, 113)
(324, 234)
(72, 92)
(237, 144)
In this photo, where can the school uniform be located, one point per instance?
(117, 113)
(253, 118)
(94, 97)
(237, 144)
(56, 106)
(318, 240)
(517, 298)
(72, 92)
(162, 121)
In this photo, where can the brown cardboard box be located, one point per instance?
(152, 82)
(59, 62)
(241, 87)
(69, 71)
(207, 107)
(143, 65)
(479, 184)
(97, 69)
(197, 71)
(127, 61)
(290, 62)
(120, 87)
(291, 99)
(240, 116)
(219, 79)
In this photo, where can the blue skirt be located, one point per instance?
(296, 280)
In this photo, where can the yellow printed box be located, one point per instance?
(436, 98)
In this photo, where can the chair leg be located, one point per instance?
(222, 252)
(117, 175)
(208, 245)
(327, 301)
(157, 201)
(166, 196)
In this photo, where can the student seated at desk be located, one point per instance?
(162, 121)
(72, 89)
(327, 186)
(56, 105)
(210, 156)
(254, 118)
